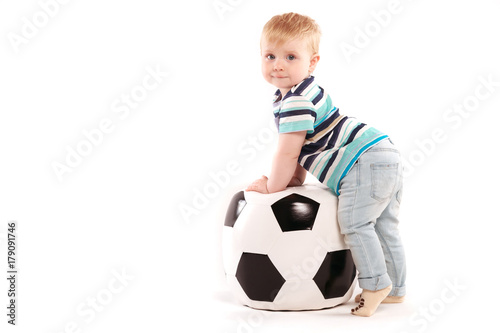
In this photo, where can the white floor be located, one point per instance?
(225, 315)
(243, 319)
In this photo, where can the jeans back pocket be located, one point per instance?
(384, 179)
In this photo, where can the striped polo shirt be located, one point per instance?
(333, 141)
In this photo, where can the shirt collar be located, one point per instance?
(299, 86)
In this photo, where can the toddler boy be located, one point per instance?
(358, 162)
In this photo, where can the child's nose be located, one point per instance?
(278, 65)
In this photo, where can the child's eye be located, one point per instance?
(290, 57)
(270, 57)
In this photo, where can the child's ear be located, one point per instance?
(313, 62)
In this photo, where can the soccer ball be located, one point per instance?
(284, 251)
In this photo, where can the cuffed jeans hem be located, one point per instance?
(375, 283)
(398, 291)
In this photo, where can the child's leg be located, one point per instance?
(387, 231)
(365, 193)
(386, 228)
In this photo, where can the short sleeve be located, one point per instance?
(296, 114)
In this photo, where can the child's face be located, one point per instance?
(287, 64)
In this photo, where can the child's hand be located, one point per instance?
(260, 185)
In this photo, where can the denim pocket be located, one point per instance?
(399, 195)
(384, 179)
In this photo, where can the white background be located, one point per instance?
(119, 209)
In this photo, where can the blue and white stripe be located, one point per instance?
(333, 142)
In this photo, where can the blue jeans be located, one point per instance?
(369, 200)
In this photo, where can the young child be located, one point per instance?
(358, 162)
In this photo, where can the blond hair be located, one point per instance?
(289, 26)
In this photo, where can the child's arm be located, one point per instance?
(299, 176)
(284, 166)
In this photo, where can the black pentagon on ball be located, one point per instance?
(235, 208)
(336, 274)
(258, 277)
(295, 212)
